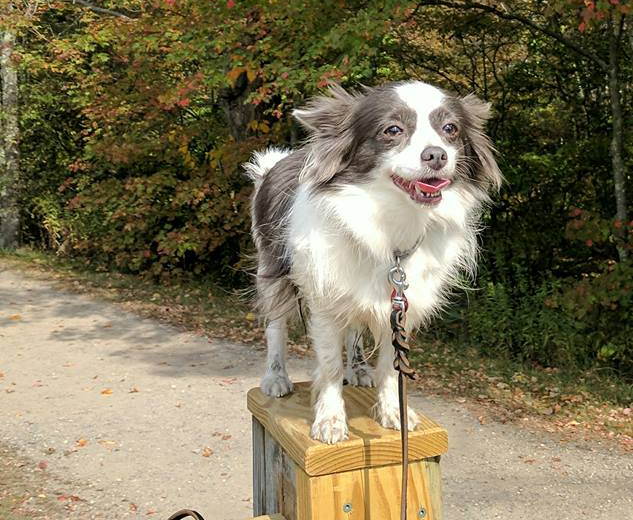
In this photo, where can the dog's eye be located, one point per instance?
(450, 129)
(393, 130)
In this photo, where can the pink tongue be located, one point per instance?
(432, 185)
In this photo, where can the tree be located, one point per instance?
(9, 145)
(614, 19)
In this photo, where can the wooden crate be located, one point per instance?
(355, 479)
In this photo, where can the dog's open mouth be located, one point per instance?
(423, 191)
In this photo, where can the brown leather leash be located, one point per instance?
(185, 513)
(399, 340)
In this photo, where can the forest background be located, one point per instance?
(124, 125)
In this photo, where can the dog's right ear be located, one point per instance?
(324, 115)
(328, 120)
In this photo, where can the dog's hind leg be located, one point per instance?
(276, 382)
(358, 372)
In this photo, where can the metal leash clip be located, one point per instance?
(398, 280)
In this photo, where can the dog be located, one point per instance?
(401, 169)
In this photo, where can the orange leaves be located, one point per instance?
(234, 74)
(70, 498)
(181, 95)
(261, 126)
(590, 11)
(329, 77)
(593, 11)
(207, 452)
(591, 228)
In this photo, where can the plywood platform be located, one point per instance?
(288, 420)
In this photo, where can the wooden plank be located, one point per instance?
(434, 479)
(288, 487)
(273, 492)
(331, 495)
(259, 469)
(383, 492)
(367, 493)
(270, 517)
(288, 420)
(303, 508)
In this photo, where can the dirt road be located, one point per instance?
(130, 418)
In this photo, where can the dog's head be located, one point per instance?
(422, 138)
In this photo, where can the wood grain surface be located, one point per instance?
(288, 420)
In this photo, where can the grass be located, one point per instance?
(574, 404)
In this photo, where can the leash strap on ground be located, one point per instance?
(186, 513)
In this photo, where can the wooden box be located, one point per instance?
(356, 479)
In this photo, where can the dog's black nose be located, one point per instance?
(434, 157)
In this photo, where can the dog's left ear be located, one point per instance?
(328, 120)
(478, 146)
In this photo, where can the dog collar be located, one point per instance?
(400, 255)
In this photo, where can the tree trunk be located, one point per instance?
(9, 156)
(617, 132)
(238, 113)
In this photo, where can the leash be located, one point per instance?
(399, 306)
(184, 513)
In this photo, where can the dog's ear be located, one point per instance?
(328, 120)
(479, 147)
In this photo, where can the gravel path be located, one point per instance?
(138, 419)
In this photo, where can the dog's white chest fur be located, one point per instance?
(343, 244)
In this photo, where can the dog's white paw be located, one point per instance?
(276, 384)
(388, 416)
(330, 430)
(360, 376)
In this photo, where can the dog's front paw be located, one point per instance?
(276, 385)
(360, 376)
(388, 416)
(330, 429)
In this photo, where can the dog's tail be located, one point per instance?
(261, 163)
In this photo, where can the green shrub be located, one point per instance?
(561, 323)
(159, 223)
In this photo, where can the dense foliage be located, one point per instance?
(135, 116)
